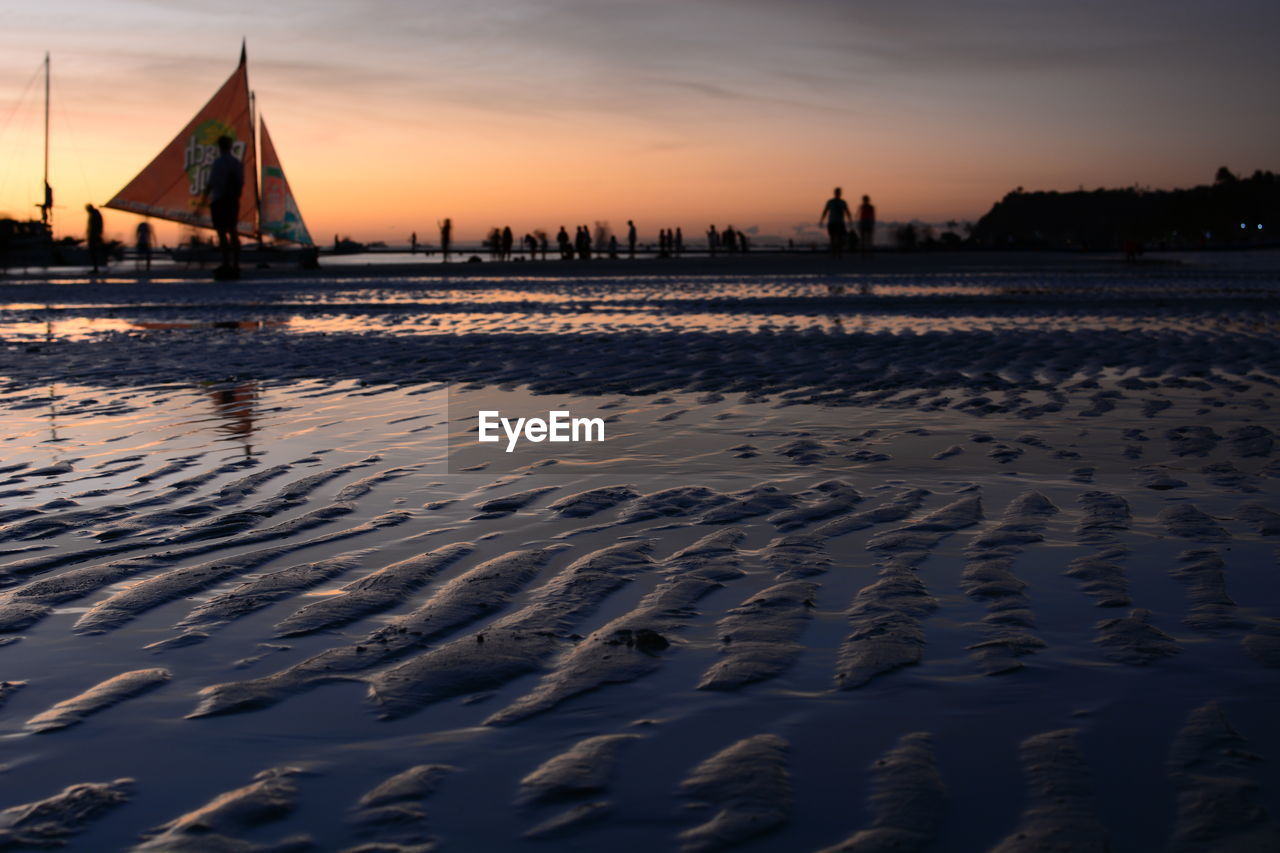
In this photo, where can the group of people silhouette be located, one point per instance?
(581, 246)
(838, 218)
(729, 240)
(844, 230)
(501, 243)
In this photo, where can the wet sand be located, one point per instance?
(940, 558)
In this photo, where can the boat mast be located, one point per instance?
(253, 142)
(48, 192)
(257, 159)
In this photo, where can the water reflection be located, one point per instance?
(617, 320)
(236, 325)
(888, 303)
(87, 328)
(235, 406)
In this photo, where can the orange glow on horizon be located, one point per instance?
(498, 115)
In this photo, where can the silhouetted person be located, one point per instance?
(584, 243)
(94, 233)
(713, 240)
(446, 237)
(507, 242)
(562, 240)
(413, 243)
(222, 194)
(730, 239)
(679, 241)
(613, 246)
(866, 224)
(631, 239)
(542, 243)
(531, 245)
(838, 218)
(144, 244)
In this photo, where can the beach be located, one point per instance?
(970, 551)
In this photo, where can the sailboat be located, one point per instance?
(30, 243)
(172, 185)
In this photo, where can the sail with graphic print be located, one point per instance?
(172, 185)
(280, 216)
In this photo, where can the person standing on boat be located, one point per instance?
(222, 194)
(95, 237)
(838, 218)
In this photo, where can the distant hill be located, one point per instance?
(1231, 212)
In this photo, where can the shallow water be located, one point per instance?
(149, 458)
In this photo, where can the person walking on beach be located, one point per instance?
(222, 194)
(446, 236)
(562, 240)
(143, 233)
(94, 234)
(713, 240)
(413, 243)
(838, 218)
(631, 239)
(679, 241)
(504, 253)
(866, 224)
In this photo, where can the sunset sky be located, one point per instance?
(535, 113)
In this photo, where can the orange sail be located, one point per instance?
(280, 215)
(172, 185)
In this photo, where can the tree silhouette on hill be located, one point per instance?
(1232, 211)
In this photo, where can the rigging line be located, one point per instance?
(22, 100)
(29, 118)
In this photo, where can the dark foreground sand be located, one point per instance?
(938, 557)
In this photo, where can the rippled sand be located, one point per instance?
(957, 561)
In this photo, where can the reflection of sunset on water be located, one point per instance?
(890, 304)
